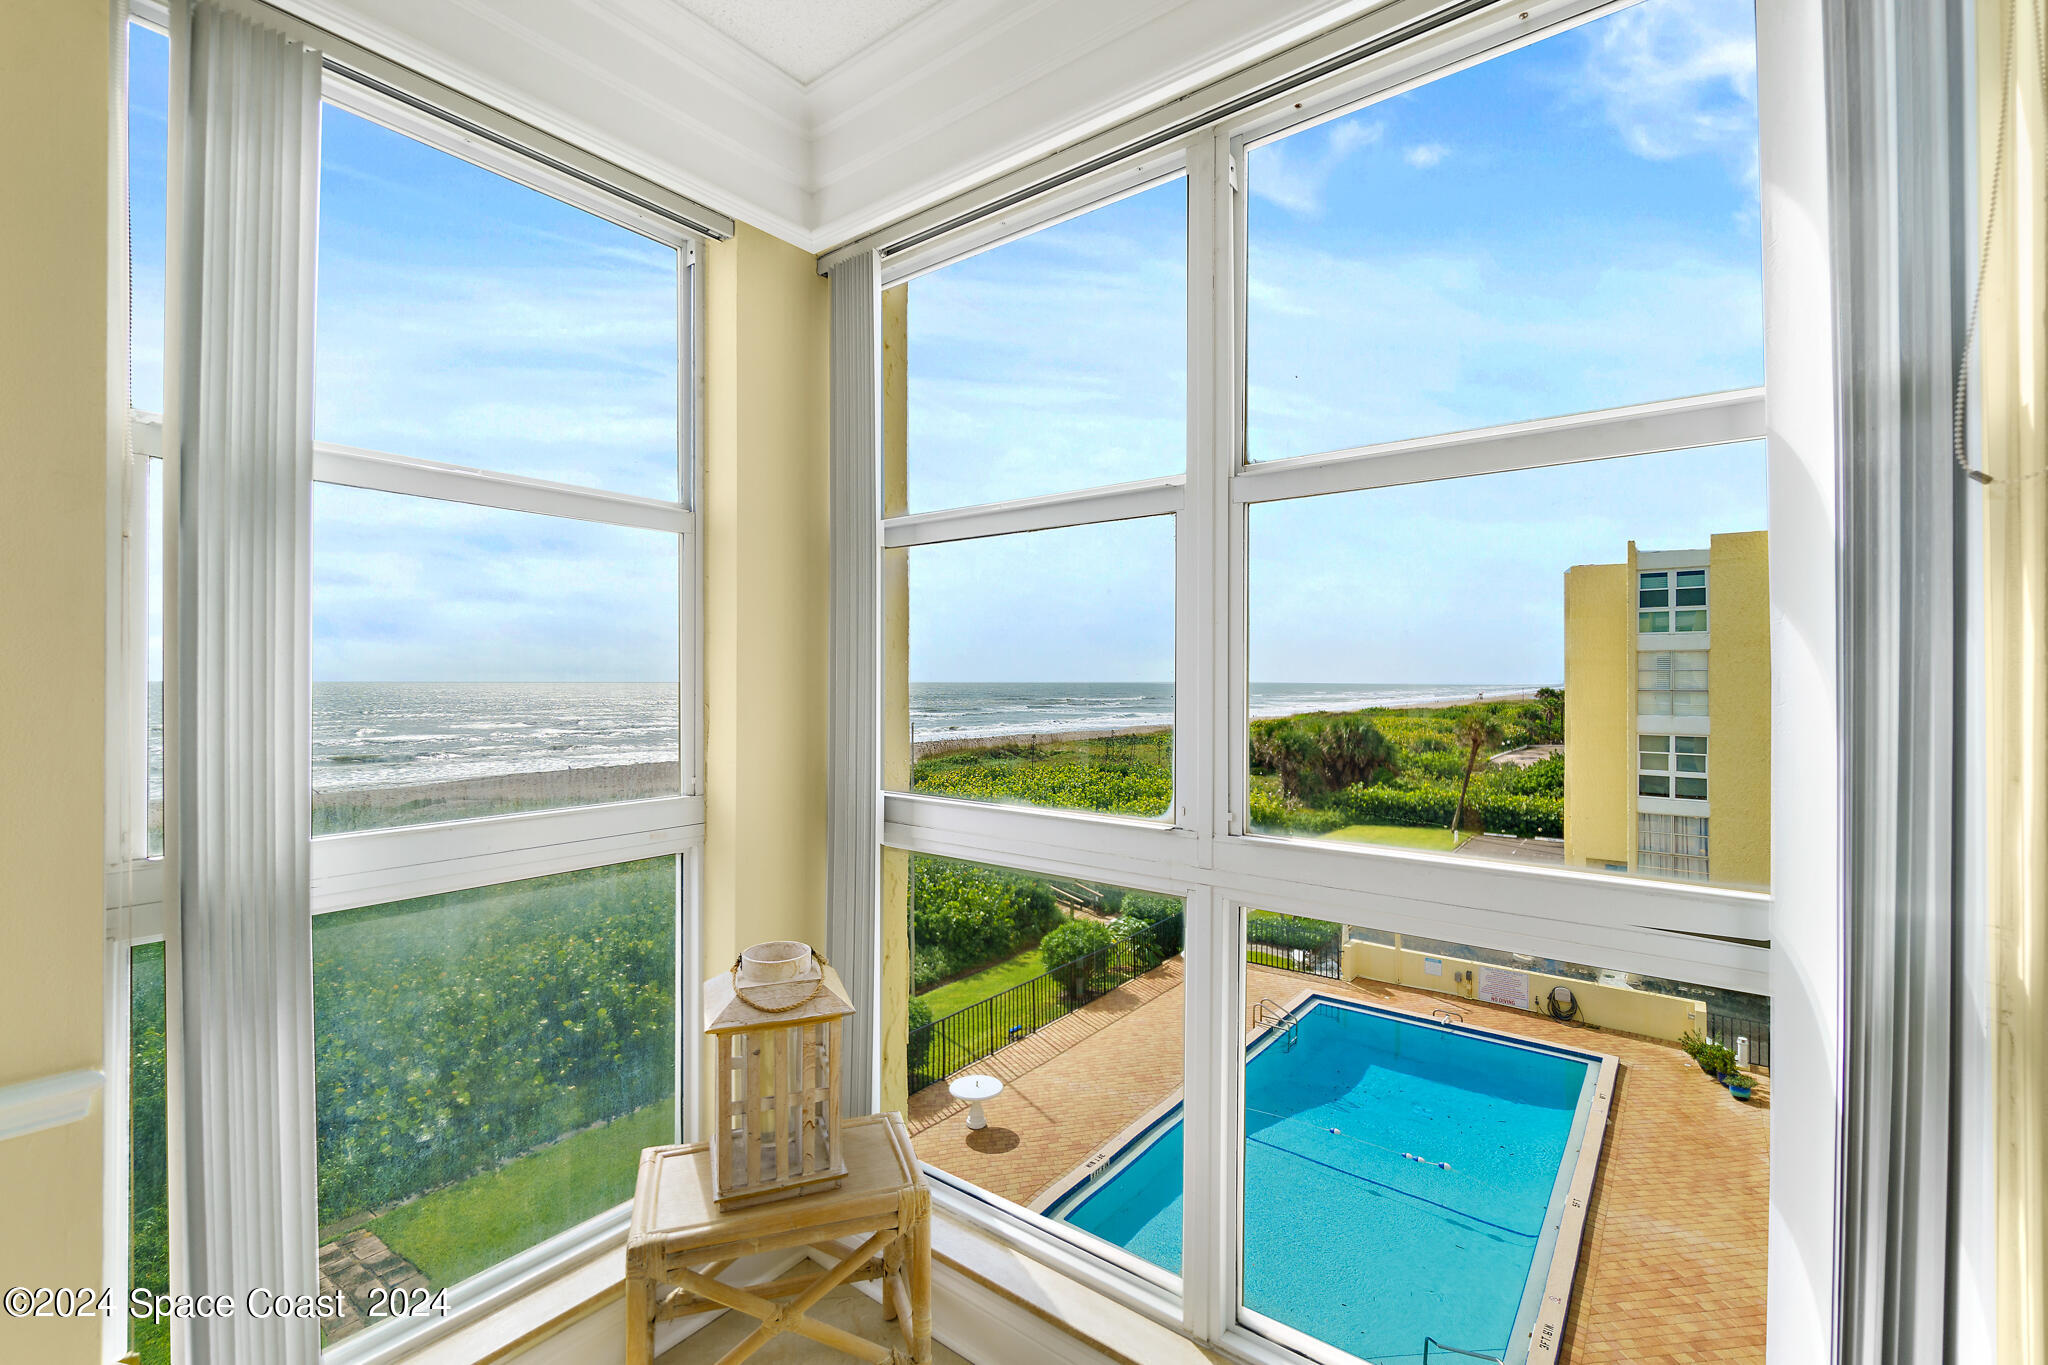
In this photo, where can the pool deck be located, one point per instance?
(1671, 1264)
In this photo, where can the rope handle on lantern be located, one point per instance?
(817, 987)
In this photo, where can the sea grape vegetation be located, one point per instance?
(1310, 774)
(453, 1032)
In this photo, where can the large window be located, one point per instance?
(1051, 368)
(1473, 432)
(504, 750)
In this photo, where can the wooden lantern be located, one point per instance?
(778, 1023)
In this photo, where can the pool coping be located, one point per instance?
(1537, 1343)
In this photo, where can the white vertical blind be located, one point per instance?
(246, 116)
(854, 811)
(1898, 278)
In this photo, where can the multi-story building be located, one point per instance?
(1667, 712)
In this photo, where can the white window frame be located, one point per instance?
(1670, 801)
(1671, 607)
(1670, 688)
(374, 867)
(1705, 859)
(1207, 854)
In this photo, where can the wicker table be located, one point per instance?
(681, 1242)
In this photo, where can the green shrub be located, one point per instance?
(1415, 806)
(1118, 774)
(929, 966)
(1066, 948)
(1715, 1059)
(453, 1032)
(1290, 931)
(1323, 752)
(920, 1037)
(965, 914)
(1496, 811)
(1272, 813)
(1542, 778)
(1162, 917)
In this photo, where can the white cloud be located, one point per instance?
(1678, 78)
(1057, 363)
(566, 374)
(1346, 352)
(1293, 173)
(1426, 155)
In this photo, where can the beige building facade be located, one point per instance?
(1667, 713)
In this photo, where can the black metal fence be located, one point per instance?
(964, 1037)
(1726, 1028)
(1317, 957)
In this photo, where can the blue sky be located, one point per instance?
(1567, 227)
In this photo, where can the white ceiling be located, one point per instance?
(806, 38)
(820, 120)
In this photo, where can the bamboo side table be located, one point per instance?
(681, 1242)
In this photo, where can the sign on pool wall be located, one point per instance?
(1500, 987)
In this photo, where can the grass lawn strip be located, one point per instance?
(968, 990)
(1400, 836)
(452, 1233)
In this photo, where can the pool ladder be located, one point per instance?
(1432, 1344)
(1270, 1015)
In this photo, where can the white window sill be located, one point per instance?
(990, 1302)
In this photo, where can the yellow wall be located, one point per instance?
(1620, 1008)
(1739, 710)
(1600, 711)
(766, 587)
(2014, 403)
(54, 65)
(1599, 714)
(896, 980)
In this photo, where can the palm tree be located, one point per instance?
(1475, 729)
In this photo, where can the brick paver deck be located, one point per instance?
(1671, 1265)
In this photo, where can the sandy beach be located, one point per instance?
(504, 794)
(939, 745)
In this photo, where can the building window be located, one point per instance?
(1672, 602)
(1325, 721)
(1674, 845)
(503, 555)
(1671, 683)
(1672, 766)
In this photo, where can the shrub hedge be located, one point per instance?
(964, 915)
(1290, 931)
(920, 1035)
(453, 1032)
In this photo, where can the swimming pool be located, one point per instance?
(1403, 1179)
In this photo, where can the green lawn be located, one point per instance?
(958, 995)
(469, 1226)
(1401, 836)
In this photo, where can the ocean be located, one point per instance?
(368, 735)
(977, 710)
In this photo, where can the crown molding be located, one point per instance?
(966, 91)
(678, 103)
(919, 133)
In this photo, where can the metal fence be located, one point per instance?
(1726, 1028)
(1324, 958)
(964, 1037)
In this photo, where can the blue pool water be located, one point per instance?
(1348, 1237)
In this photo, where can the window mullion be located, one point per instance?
(386, 473)
(1088, 507)
(1202, 692)
(1703, 420)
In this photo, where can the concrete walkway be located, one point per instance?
(1671, 1266)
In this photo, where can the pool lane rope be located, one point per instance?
(1366, 1179)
